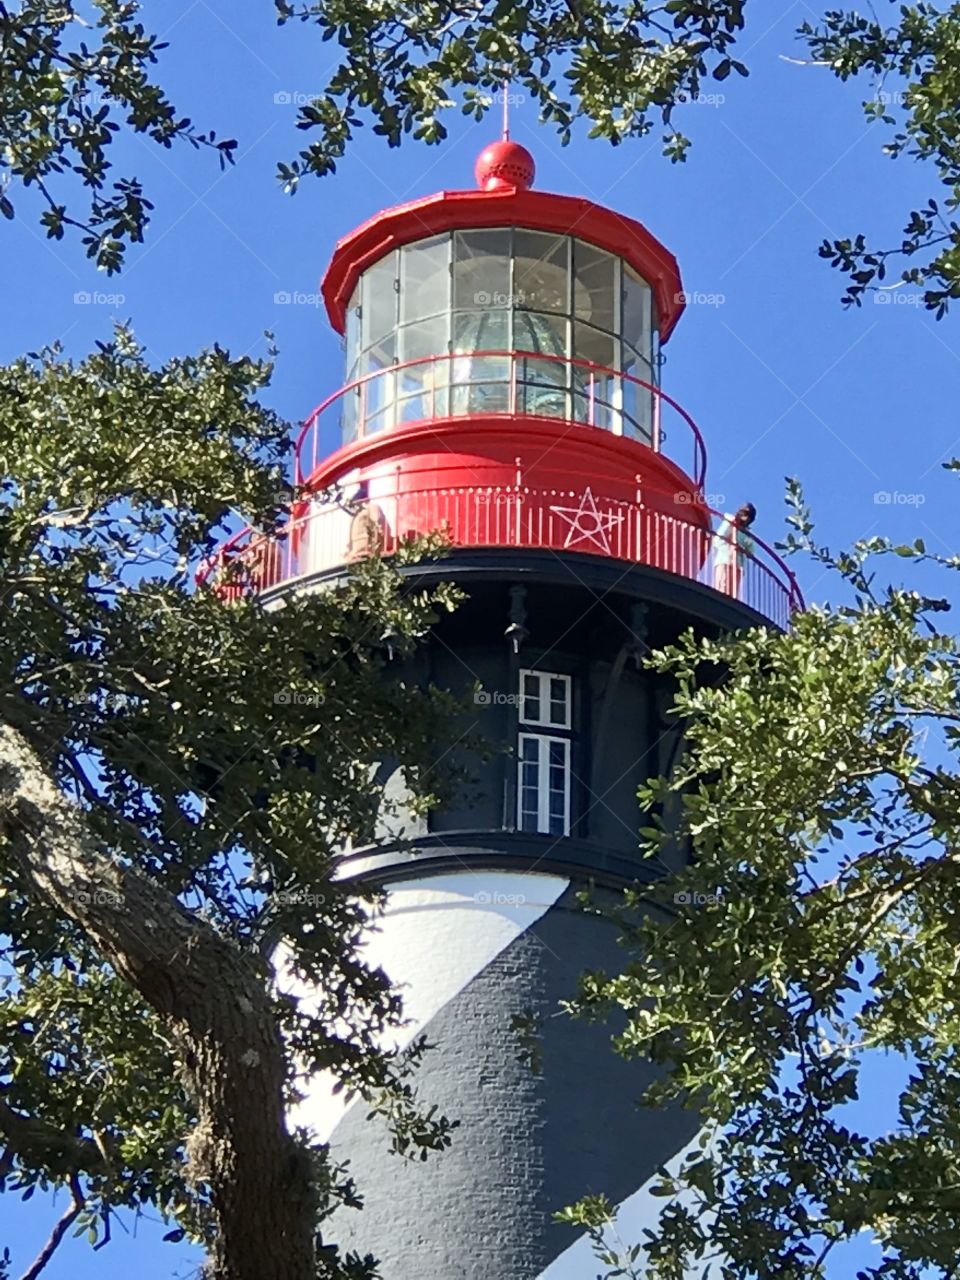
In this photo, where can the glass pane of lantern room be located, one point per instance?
(595, 286)
(352, 334)
(350, 415)
(378, 389)
(480, 384)
(596, 390)
(425, 279)
(638, 401)
(378, 300)
(637, 326)
(421, 386)
(484, 329)
(542, 334)
(481, 268)
(541, 271)
(543, 368)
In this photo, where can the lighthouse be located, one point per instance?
(502, 387)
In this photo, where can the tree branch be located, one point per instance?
(34, 1141)
(59, 1231)
(211, 996)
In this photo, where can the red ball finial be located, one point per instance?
(503, 165)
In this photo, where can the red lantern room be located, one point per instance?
(502, 386)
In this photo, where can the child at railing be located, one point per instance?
(732, 545)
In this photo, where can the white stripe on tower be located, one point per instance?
(435, 935)
(637, 1213)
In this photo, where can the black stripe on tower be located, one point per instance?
(527, 1144)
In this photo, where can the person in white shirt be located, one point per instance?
(731, 545)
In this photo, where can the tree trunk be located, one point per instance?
(211, 997)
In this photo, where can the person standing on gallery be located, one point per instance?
(732, 544)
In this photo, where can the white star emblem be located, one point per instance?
(587, 524)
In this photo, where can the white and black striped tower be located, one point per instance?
(502, 385)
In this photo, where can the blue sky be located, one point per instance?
(859, 404)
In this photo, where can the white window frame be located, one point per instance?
(544, 741)
(543, 679)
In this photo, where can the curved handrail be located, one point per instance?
(301, 474)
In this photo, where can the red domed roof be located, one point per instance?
(505, 164)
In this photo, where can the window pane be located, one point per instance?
(350, 415)
(428, 338)
(417, 398)
(422, 388)
(543, 781)
(545, 698)
(492, 370)
(529, 819)
(379, 405)
(529, 799)
(598, 393)
(425, 278)
(559, 711)
(595, 274)
(637, 401)
(557, 783)
(637, 364)
(540, 271)
(542, 387)
(542, 382)
(481, 268)
(531, 709)
(352, 333)
(482, 330)
(540, 333)
(377, 392)
(378, 300)
(350, 404)
(480, 384)
(381, 355)
(637, 317)
(557, 788)
(593, 345)
(530, 691)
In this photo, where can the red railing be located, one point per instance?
(328, 534)
(494, 383)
